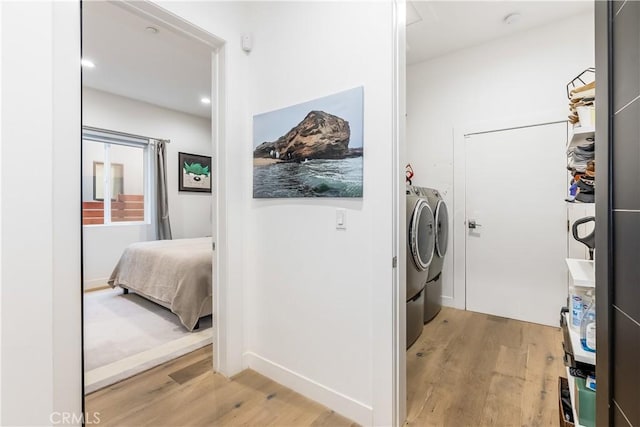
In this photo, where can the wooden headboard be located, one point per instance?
(126, 207)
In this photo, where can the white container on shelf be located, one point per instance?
(584, 116)
(580, 300)
(588, 327)
(581, 284)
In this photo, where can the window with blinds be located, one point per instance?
(115, 178)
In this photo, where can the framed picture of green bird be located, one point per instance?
(194, 173)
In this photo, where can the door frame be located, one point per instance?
(393, 405)
(459, 227)
(220, 285)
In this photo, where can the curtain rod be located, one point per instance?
(129, 135)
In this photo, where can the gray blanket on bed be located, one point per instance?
(174, 272)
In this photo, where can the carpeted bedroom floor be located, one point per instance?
(127, 334)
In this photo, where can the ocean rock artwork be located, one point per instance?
(312, 149)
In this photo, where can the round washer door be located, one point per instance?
(442, 228)
(422, 235)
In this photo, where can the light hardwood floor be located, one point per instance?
(466, 369)
(471, 369)
(185, 392)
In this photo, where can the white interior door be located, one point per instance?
(515, 190)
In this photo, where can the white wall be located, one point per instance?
(518, 76)
(319, 300)
(324, 328)
(190, 213)
(40, 229)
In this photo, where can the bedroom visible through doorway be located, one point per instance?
(148, 258)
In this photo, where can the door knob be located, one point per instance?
(473, 224)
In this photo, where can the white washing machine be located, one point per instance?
(433, 288)
(420, 251)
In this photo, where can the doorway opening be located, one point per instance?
(499, 162)
(152, 118)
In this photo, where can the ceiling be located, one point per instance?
(438, 27)
(166, 68)
(174, 71)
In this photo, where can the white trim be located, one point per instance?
(448, 301)
(149, 171)
(460, 133)
(66, 193)
(95, 283)
(118, 224)
(221, 322)
(148, 168)
(106, 184)
(1, 216)
(398, 290)
(147, 9)
(458, 299)
(342, 404)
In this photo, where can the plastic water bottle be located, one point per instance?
(588, 328)
(579, 300)
(576, 309)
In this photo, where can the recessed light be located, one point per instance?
(87, 63)
(511, 18)
(205, 100)
(152, 30)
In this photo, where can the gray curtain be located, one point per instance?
(163, 227)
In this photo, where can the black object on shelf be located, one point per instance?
(589, 240)
(580, 79)
(565, 401)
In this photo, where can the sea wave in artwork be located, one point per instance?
(313, 178)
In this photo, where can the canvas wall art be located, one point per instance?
(313, 149)
(194, 173)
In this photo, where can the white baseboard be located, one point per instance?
(452, 302)
(344, 405)
(95, 283)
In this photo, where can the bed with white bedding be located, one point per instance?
(173, 273)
